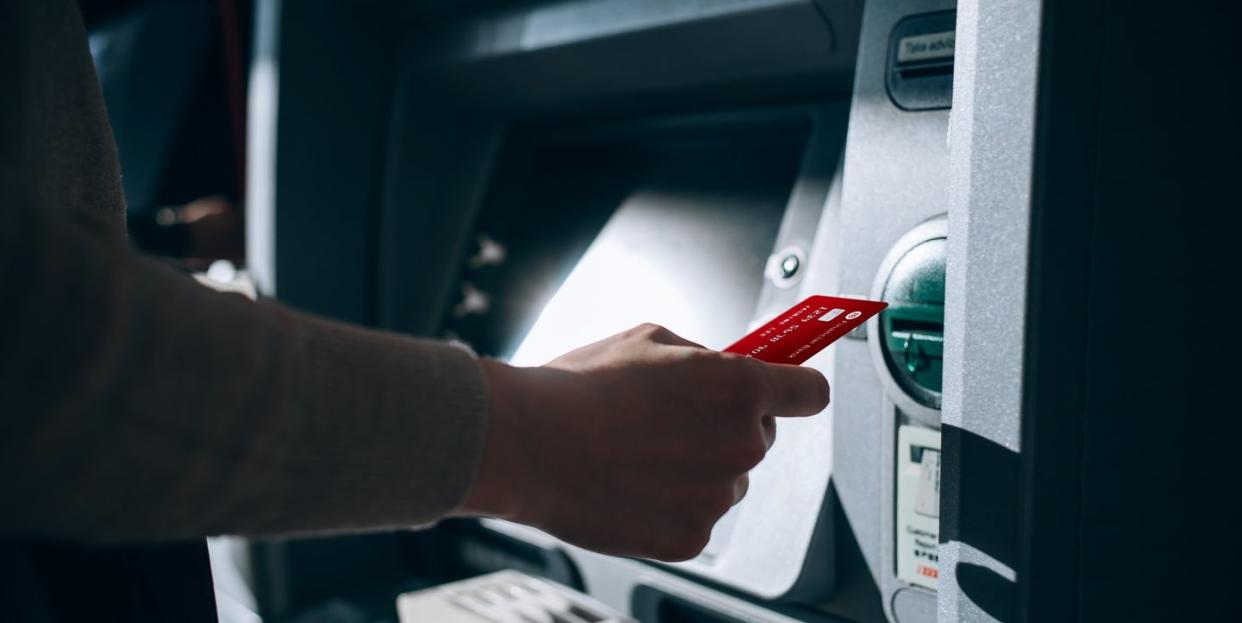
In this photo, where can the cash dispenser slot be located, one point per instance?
(920, 61)
(648, 603)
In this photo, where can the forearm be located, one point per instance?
(136, 404)
(139, 405)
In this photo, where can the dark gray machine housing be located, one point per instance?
(376, 128)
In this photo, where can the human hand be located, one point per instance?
(635, 445)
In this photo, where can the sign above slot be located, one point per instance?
(936, 46)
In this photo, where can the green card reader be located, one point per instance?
(908, 346)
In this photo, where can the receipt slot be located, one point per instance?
(920, 61)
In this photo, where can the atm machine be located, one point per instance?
(529, 176)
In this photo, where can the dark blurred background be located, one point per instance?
(173, 74)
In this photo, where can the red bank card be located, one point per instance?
(805, 329)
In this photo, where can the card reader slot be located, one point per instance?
(910, 325)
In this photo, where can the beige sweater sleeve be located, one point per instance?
(137, 404)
